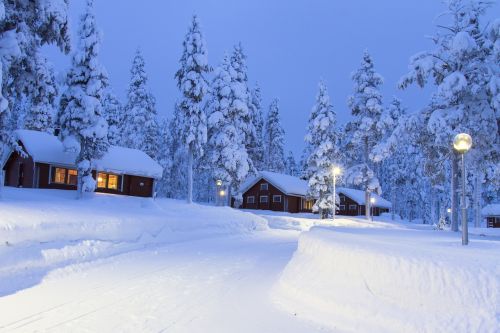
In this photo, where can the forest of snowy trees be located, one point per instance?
(219, 128)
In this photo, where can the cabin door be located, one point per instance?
(20, 179)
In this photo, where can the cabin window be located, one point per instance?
(352, 207)
(250, 199)
(263, 199)
(264, 187)
(342, 207)
(276, 198)
(72, 177)
(107, 180)
(307, 204)
(59, 175)
(65, 176)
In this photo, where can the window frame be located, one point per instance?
(119, 181)
(266, 185)
(253, 199)
(351, 207)
(53, 173)
(341, 207)
(277, 196)
(264, 196)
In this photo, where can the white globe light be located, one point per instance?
(462, 143)
(336, 171)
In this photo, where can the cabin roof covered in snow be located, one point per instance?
(46, 148)
(491, 210)
(291, 185)
(359, 197)
(287, 184)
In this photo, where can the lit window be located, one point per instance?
(263, 187)
(101, 180)
(113, 182)
(59, 175)
(352, 207)
(72, 177)
(276, 198)
(263, 198)
(251, 199)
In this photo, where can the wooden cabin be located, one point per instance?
(47, 165)
(279, 192)
(491, 213)
(352, 203)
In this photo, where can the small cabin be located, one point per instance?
(277, 192)
(352, 203)
(47, 165)
(280, 192)
(491, 213)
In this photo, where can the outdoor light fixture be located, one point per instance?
(449, 210)
(335, 172)
(462, 143)
(222, 193)
(218, 182)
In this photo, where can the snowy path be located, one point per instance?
(212, 285)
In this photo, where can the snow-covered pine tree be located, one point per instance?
(366, 108)
(256, 151)
(321, 137)
(291, 167)
(178, 153)
(43, 97)
(115, 118)
(227, 125)
(464, 67)
(193, 85)
(165, 157)
(83, 125)
(274, 140)
(140, 125)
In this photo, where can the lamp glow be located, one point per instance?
(336, 171)
(372, 200)
(218, 182)
(222, 193)
(462, 143)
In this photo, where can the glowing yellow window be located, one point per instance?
(101, 180)
(72, 177)
(113, 182)
(59, 175)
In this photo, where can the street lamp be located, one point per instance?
(372, 202)
(462, 143)
(335, 172)
(218, 182)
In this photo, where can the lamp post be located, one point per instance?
(372, 202)
(462, 143)
(218, 183)
(335, 172)
(222, 193)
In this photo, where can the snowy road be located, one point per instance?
(212, 285)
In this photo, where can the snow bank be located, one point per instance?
(45, 229)
(393, 280)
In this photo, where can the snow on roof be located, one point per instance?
(46, 148)
(491, 210)
(291, 185)
(287, 184)
(359, 197)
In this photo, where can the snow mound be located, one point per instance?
(392, 280)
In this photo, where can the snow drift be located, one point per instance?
(390, 280)
(41, 230)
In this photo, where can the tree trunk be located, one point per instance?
(190, 177)
(434, 219)
(454, 192)
(2, 180)
(477, 200)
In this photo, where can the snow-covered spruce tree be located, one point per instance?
(464, 67)
(140, 125)
(43, 97)
(165, 157)
(114, 113)
(256, 150)
(83, 125)
(366, 108)
(291, 167)
(193, 85)
(178, 153)
(274, 140)
(227, 125)
(321, 137)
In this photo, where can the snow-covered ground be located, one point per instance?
(127, 264)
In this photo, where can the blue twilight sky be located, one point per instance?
(290, 44)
